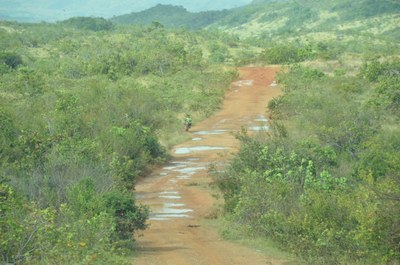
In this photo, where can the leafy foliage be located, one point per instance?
(285, 54)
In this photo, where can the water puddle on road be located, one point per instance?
(169, 192)
(166, 217)
(188, 150)
(169, 211)
(174, 195)
(171, 204)
(241, 83)
(197, 139)
(262, 119)
(174, 165)
(211, 132)
(258, 128)
(183, 177)
(190, 170)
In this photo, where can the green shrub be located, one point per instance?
(129, 217)
(10, 59)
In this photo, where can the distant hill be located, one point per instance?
(172, 16)
(280, 20)
(56, 10)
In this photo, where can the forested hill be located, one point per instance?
(172, 16)
(277, 19)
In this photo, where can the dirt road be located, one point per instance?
(178, 193)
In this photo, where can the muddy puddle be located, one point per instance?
(261, 119)
(258, 128)
(183, 177)
(188, 150)
(211, 132)
(190, 170)
(242, 83)
(175, 165)
(170, 210)
(173, 195)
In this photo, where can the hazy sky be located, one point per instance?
(51, 10)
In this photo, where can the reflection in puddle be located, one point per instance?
(177, 165)
(170, 197)
(168, 212)
(188, 150)
(171, 204)
(190, 170)
(210, 132)
(262, 119)
(169, 192)
(175, 211)
(183, 177)
(197, 139)
(258, 128)
(243, 83)
(154, 218)
(181, 163)
(165, 217)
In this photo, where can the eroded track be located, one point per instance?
(178, 193)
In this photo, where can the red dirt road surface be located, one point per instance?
(178, 193)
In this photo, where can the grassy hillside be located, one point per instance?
(356, 26)
(316, 20)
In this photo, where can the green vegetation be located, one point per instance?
(324, 183)
(84, 106)
(354, 26)
(95, 24)
(88, 106)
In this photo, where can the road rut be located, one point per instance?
(178, 192)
